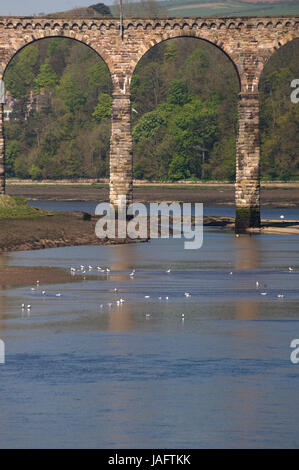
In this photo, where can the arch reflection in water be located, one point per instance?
(123, 259)
(247, 250)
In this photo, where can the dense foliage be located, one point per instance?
(70, 138)
(184, 113)
(279, 116)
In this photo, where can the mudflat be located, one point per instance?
(65, 229)
(274, 194)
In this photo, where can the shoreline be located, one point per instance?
(18, 276)
(61, 229)
(52, 231)
(75, 229)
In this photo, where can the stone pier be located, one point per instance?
(247, 163)
(2, 152)
(121, 150)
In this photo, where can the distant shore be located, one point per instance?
(275, 194)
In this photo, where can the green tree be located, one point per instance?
(21, 169)
(35, 172)
(46, 77)
(99, 78)
(178, 168)
(148, 125)
(70, 93)
(178, 92)
(12, 150)
(21, 72)
(103, 108)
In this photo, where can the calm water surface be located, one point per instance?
(138, 376)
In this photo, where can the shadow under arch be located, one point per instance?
(212, 53)
(187, 36)
(97, 58)
(279, 122)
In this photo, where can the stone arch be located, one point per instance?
(174, 34)
(210, 50)
(29, 40)
(38, 35)
(285, 91)
(277, 44)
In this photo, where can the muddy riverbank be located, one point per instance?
(274, 194)
(53, 231)
(72, 229)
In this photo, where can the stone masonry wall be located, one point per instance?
(2, 151)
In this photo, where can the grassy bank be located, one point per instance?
(17, 208)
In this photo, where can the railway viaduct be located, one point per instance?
(248, 42)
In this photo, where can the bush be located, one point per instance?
(35, 172)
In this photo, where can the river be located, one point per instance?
(82, 371)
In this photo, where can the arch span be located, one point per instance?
(35, 40)
(193, 35)
(92, 152)
(201, 71)
(279, 114)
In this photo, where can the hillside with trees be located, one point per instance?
(184, 113)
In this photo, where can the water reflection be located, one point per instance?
(111, 377)
(120, 319)
(247, 252)
(123, 259)
(245, 400)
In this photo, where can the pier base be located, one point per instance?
(247, 217)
